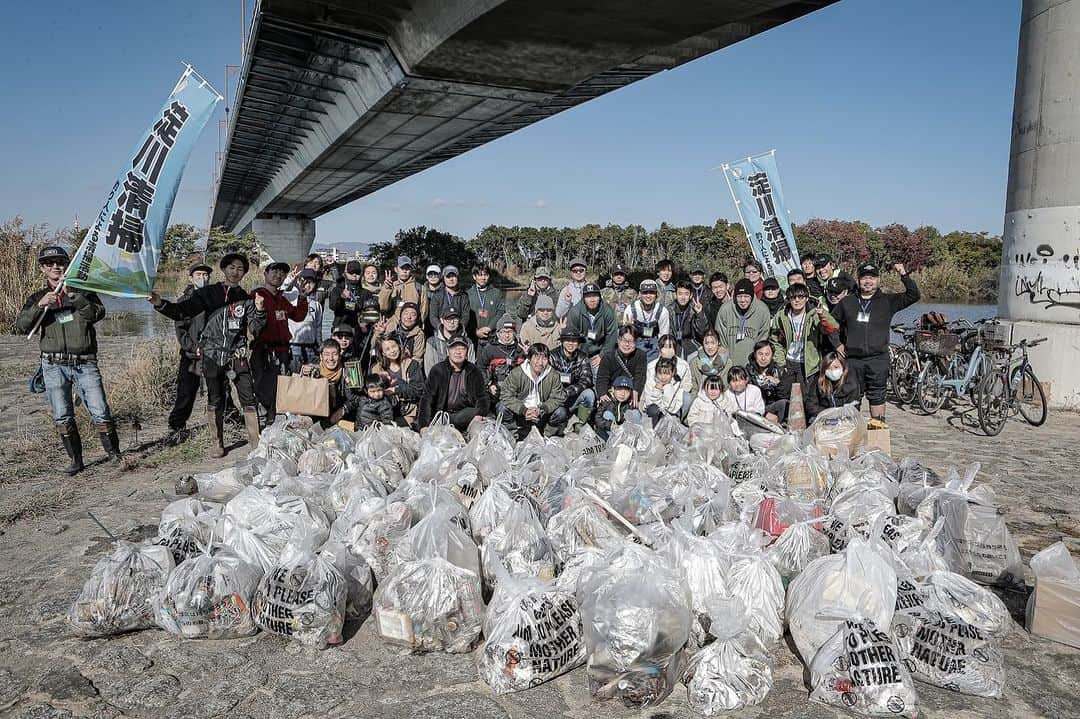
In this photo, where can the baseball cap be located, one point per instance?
(647, 286)
(543, 302)
(404, 261)
(542, 272)
(344, 329)
(353, 267)
(569, 333)
(590, 288)
(697, 270)
(577, 262)
(283, 266)
(771, 284)
(623, 382)
(308, 274)
(449, 311)
(838, 284)
(869, 269)
(53, 252)
(507, 321)
(407, 305)
(450, 270)
(457, 340)
(198, 266)
(618, 270)
(434, 268)
(744, 287)
(822, 260)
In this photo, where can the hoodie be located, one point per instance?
(523, 390)
(739, 331)
(709, 411)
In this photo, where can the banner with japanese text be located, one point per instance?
(122, 249)
(755, 187)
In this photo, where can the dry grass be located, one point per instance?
(142, 386)
(21, 275)
(36, 505)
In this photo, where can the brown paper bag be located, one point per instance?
(303, 395)
(1055, 611)
(879, 439)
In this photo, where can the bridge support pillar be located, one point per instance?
(285, 239)
(1039, 293)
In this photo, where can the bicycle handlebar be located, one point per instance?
(1032, 343)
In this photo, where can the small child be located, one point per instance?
(741, 394)
(710, 404)
(664, 395)
(373, 406)
(617, 410)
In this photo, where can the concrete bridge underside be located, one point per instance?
(339, 99)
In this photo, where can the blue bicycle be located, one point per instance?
(950, 371)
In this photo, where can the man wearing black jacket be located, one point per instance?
(865, 318)
(455, 386)
(622, 360)
(705, 317)
(189, 369)
(576, 376)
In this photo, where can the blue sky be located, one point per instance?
(886, 111)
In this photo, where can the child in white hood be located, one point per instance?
(710, 405)
(741, 394)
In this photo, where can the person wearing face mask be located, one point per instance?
(542, 327)
(798, 332)
(712, 359)
(683, 390)
(189, 370)
(773, 380)
(743, 322)
(835, 386)
(865, 320)
(772, 297)
(531, 394)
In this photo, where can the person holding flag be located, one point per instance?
(65, 318)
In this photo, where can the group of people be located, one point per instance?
(411, 349)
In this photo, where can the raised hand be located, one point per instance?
(260, 302)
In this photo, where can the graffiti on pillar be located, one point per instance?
(1040, 278)
(1037, 289)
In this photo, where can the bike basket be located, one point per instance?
(994, 337)
(939, 344)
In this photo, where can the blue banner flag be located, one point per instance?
(755, 187)
(121, 252)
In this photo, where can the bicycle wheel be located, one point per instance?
(903, 375)
(993, 403)
(931, 391)
(1030, 398)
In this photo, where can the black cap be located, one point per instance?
(618, 270)
(53, 252)
(840, 283)
(449, 311)
(623, 382)
(354, 267)
(308, 274)
(283, 266)
(344, 329)
(744, 287)
(869, 269)
(200, 266)
(821, 260)
(457, 340)
(569, 333)
(407, 305)
(697, 270)
(771, 284)
(229, 257)
(590, 288)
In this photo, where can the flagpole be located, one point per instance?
(192, 71)
(738, 205)
(44, 311)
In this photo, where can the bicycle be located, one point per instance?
(1010, 388)
(904, 365)
(949, 371)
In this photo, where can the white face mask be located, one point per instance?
(834, 374)
(198, 282)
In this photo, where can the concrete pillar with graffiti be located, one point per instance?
(1040, 273)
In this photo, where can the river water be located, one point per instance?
(151, 324)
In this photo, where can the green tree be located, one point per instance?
(220, 242)
(179, 243)
(425, 246)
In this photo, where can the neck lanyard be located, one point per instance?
(741, 405)
(865, 305)
(797, 327)
(480, 297)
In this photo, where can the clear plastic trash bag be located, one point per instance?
(838, 431)
(372, 528)
(582, 523)
(796, 547)
(948, 629)
(860, 668)
(924, 557)
(302, 597)
(320, 459)
(857, 582)
(518, 548)
(209, 597)
(731, 673)
(186, 525)
(491, 508)
(359, 582)
(274, 470)
(359, 482)
(532, 633)
(756, 582)
(636, 616)
(802, 473)
(703, 563)
(577, 570)
(119, 594)
(223, 485)
(1055, 562)
(258, 524)
(430, 605)
(439, 535)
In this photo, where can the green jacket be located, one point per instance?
(518, 384)
(755, 327)
(604, 327)
(818, 329)
(618, 298)
(68, 328)
(490, 311)
(697, 375)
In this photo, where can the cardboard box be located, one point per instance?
(1055, 612)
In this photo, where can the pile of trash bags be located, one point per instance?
(660, 557)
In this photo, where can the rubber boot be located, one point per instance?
(215, 420)
(251, 422)
(583, 414)
(109, 442)
(69, 435)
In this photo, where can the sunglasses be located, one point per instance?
(54, 263)
(577, 269)
(751, 272)
(343, 336)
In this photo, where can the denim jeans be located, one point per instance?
(587, 398)
(87, 379)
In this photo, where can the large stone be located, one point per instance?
(65, 682)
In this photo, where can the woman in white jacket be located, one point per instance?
(711, 405)
(741, 394)
(668, 349)
(663, 394)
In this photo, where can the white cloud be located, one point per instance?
(540, 204)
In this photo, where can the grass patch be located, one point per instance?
(119, 323)
(21, 276)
